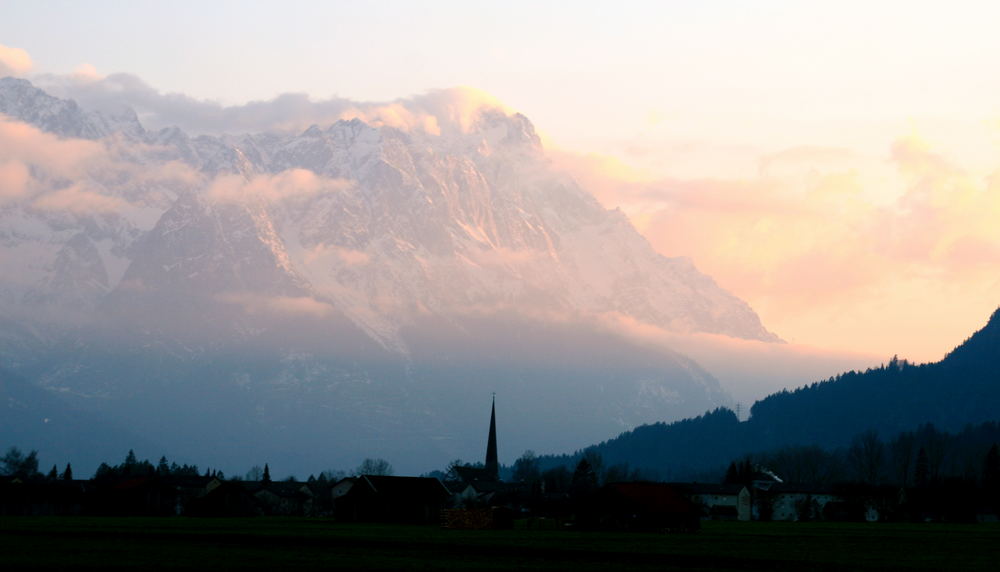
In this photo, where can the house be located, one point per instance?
(719, 501)
(188, 488)
(463, 494)
(791, 502)
(377, 498)
(287, 498)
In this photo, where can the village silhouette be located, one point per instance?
(474, 496)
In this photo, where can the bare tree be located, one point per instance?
(865, 455)
(901, 453)
(369, 466)
(807, 464)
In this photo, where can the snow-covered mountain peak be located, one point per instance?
(23, 101)
(385, 222)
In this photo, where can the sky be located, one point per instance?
(835, 164)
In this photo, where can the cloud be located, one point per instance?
(324, 254)
(434, 112)
(14, 61)
(14, 180)
(68, 158)
(831, 246)
(79, 176)
(86, 73)
(80, 200)
(284, 306)
(394, 115)
(282, 186)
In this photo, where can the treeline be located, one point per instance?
(15, 463)
(686, 450)
(918, 458)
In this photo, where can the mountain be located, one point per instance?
(960, 390)
(352, 287)
(36, 419)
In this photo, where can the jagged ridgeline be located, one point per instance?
(349, 289)
(961, 390)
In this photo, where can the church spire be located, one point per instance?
(492, 465)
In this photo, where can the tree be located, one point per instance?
(584, 479)
(732, 475)
(865, 455)
(379, 467)
(104, 471)
(921, 470)
(331, 476)
(740, 472)
(621, 473)
(16, 464)
(991, 477)
(991, 468)
(805, 464)
(557, 480)
(901, 453)
(526, 469)
(596, 464)
(451, 473)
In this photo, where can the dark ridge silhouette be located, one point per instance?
(961, 389)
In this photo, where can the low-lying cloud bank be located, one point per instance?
(436, 112)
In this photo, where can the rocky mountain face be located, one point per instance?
(350, 271)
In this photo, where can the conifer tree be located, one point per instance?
(991, 468)
(732, 474)
(921, 471)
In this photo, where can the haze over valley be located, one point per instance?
(227, 263)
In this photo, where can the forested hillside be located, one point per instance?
(960, 390)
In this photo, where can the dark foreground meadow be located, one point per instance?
(271, 543)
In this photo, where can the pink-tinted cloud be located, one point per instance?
(54, 173)
(434, 112)
(332, 255)
(67, 158)
(80, 200)
(14, 181)
(286, 185)
(14, 61)
(834, 248)
(281, 306)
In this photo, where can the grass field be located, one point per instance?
(272, 543)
